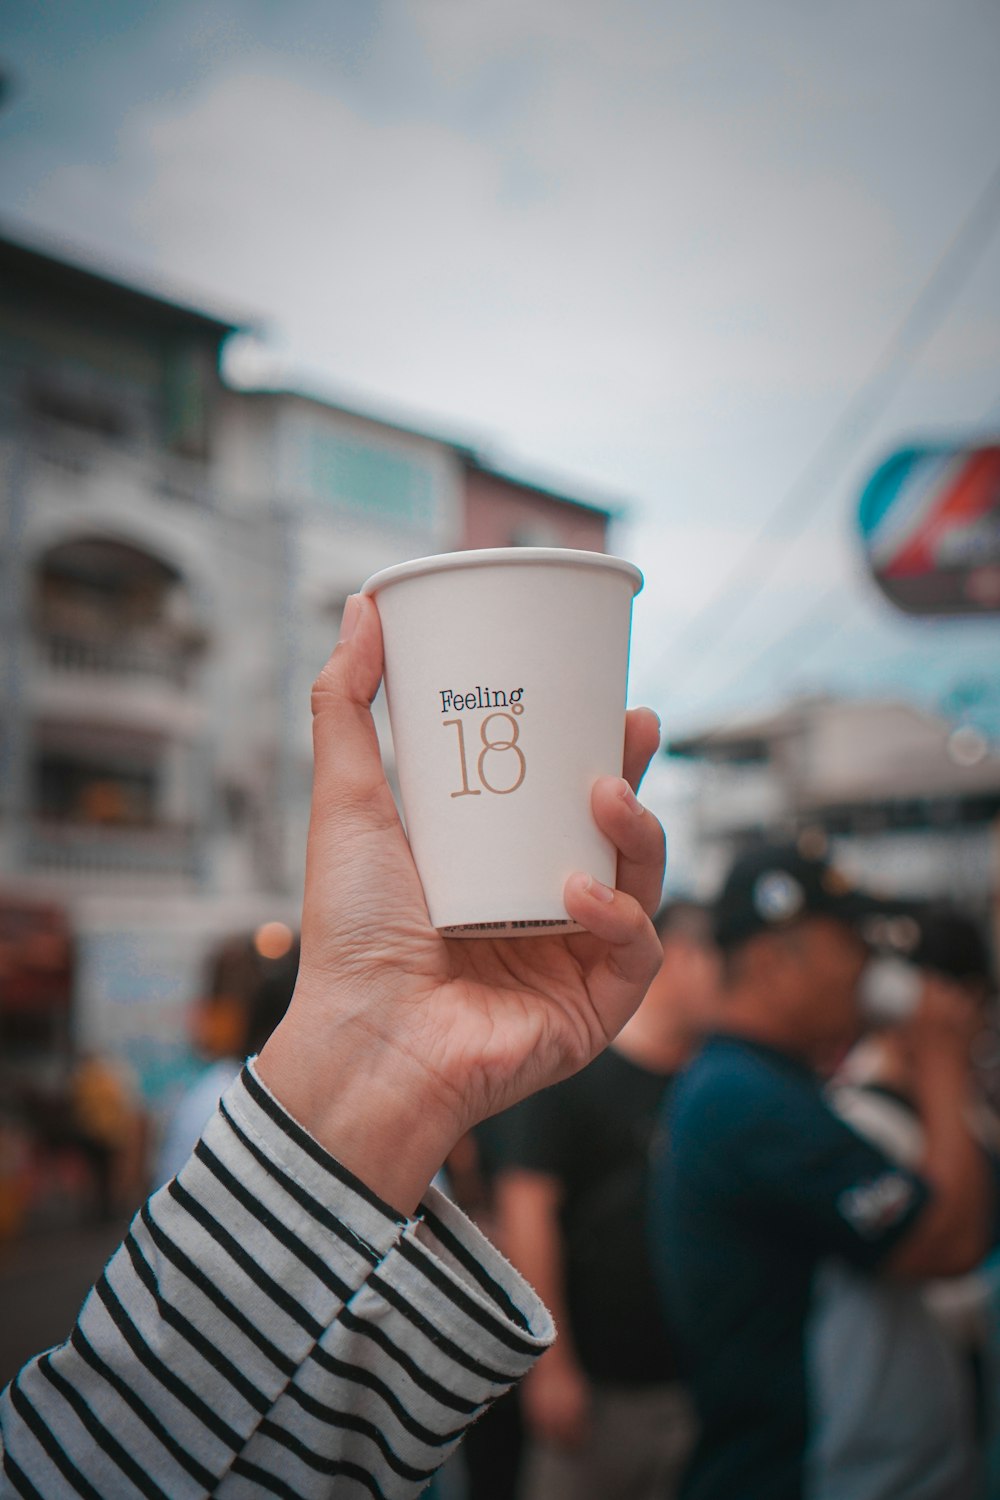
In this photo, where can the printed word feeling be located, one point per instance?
(478, 697)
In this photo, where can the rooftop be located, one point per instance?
(64, 273)
(611, 509)
(474, 459)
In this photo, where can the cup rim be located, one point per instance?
(483, 557)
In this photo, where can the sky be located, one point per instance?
(645, 250)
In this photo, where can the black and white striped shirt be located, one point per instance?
(270, 1327)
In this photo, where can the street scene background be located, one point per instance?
(291, 294)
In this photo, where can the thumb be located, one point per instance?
(348, 760)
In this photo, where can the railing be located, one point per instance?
(107, 852)
(66, 454)
(80, 454)
(83, 655)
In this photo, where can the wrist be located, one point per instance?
(364, 1104)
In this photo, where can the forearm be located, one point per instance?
(556, 1400)
(528, 1204)
(954, 1161)
(953, 1233)
(269, 1315)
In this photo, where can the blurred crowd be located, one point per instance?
(81, 1146)
(763, 1219)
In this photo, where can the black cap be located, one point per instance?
(777, 884)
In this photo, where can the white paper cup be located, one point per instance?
(505, 676)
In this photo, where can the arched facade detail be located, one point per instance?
(103, 604)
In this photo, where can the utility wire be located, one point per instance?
(833, 604)
(823, 610)
(787, 519)
(828, 609)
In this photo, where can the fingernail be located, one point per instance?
(598, 891)
(630, 800)
(350, 617)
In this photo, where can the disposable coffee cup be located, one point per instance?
(505, 678)
(889, 991)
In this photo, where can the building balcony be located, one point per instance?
(79, 655)
(92, 463)
(113, 621)
(95, 854)
(114, 686)
(147, 682)
(67, 454)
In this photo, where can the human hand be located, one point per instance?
(555, 1400)
(943, 1024)
(952, 1233)
(397, 1040)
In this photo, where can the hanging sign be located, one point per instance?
(930, 526)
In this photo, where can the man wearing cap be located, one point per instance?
(765, 1197)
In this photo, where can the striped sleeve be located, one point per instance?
(270, 1327)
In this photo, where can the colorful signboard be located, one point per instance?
(930, 526)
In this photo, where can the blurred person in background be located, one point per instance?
(111, 1130)
(246, 996)
(876, 1093)
(766, 1200)
(490, 1461)
(607, 1417)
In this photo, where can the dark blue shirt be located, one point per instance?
(760, 1185)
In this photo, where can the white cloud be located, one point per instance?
(657, 249)
(670, 265)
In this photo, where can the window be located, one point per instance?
(378, 483)
(71, 788)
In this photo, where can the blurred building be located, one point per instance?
(176, 554)
(500, 510)
(345, 494)
(339, 495)
(118, 569)
(910, 803)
